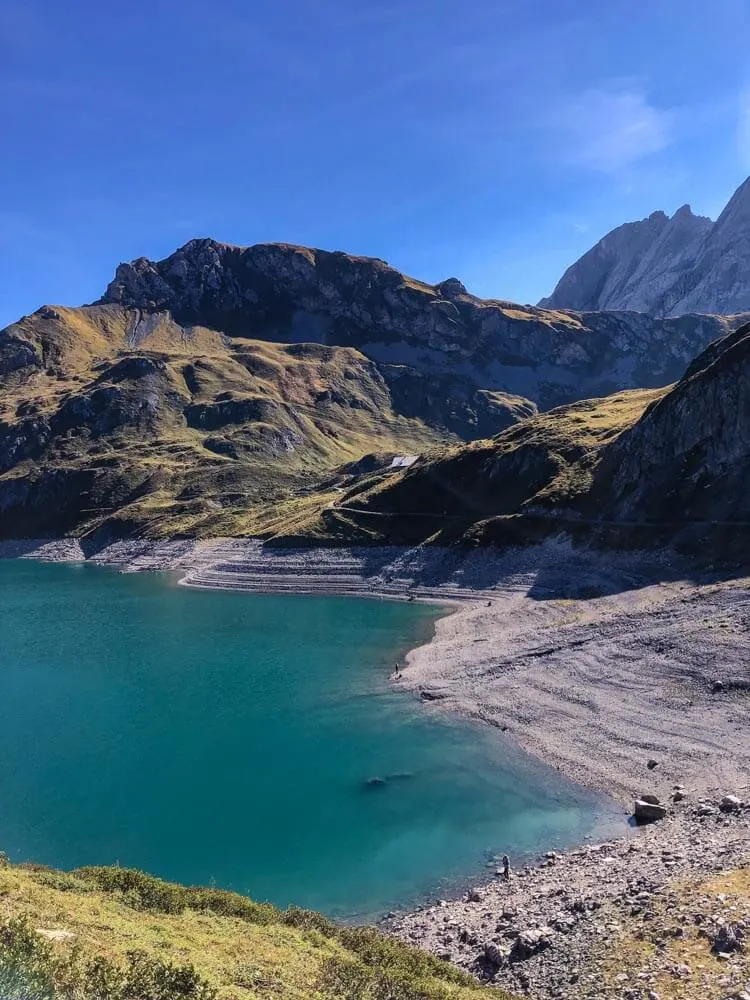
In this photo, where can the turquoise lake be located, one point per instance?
(223, 738)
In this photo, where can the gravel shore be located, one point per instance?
(611, 920)
(630, 674)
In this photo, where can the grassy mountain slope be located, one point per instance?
(233, 390)
(148, 426)
(547, 460)
(653, 464)
(115, 933)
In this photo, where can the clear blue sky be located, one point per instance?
(494, 140)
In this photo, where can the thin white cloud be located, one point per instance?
(611, 128)
(743, 129)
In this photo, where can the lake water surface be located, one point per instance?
(222, 738)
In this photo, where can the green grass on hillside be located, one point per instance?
(118, 934)
(155, 429)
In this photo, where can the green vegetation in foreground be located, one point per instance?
(118, 934)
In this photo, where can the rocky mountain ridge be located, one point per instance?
(229, 390)
(289, 294)
(666, 266)
(687, 458)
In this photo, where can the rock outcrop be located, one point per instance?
(666, 266)
(672, 462)
(687, 458)
(648, 809)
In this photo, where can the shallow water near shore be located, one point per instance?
(228, 739)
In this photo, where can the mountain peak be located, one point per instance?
(666, 266)
(738, 206)
(683, 212)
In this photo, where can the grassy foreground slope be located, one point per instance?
(118, 934)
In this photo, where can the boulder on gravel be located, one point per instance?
(728, 939)
(706, 809)
(730, 803)
(648, 809)
(529, 943)
(494, 954)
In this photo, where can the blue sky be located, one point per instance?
(493, 140)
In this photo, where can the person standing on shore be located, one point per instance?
(506, 867)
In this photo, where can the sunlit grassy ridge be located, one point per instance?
(65, 934)
(545, 461)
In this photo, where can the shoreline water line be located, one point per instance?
(555, 647)
(507, 613)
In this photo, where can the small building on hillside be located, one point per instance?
(403, 461)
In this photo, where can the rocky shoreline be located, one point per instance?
(627, 673)
(598, 921)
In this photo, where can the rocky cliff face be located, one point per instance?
(666, 267)
(289, 294)
(688, 457)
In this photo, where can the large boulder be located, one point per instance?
(494, 954)
(530, 943)
(730, 803)
(648, 809)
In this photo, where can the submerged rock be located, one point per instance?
(372, 783)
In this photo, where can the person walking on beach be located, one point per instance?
(506, 867)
